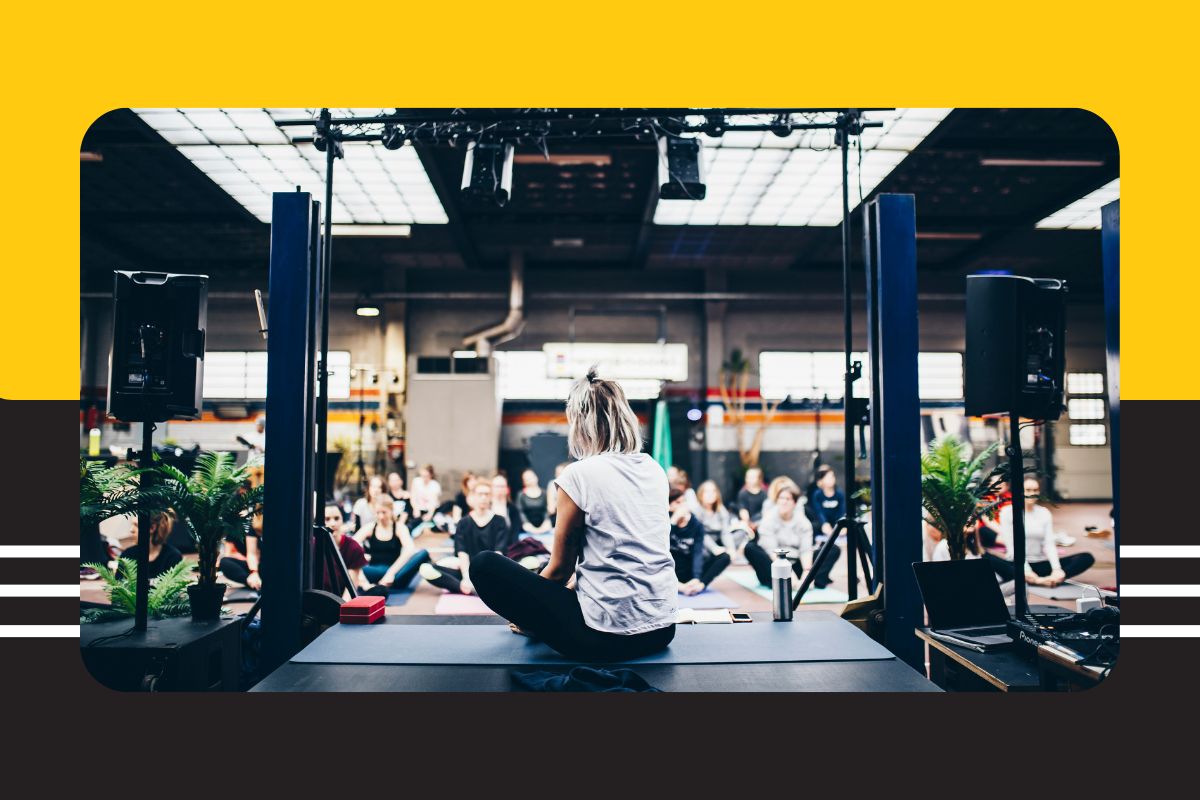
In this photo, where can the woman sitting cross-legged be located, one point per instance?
(394, 557)
(478, 532)
(612, 535)
(784, 527)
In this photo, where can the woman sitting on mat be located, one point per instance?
(531, 502)
(695, 567)
(364, 507)
(612, 535)
(1049, 570)
(163, 555)
(481, 531)
(394, 557)
(784, 527)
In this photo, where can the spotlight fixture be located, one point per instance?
(366, 308)
(680, 168)
(393, 136)
(695, 415)
(487, 172)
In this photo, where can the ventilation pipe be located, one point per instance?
(510, 328)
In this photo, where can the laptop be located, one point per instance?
(965, 604)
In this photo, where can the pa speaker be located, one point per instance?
(1016, 333)
(156, 368)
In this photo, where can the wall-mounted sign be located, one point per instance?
(663, 362)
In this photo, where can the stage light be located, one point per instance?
(393, 137)
(365, 308)
(465, 354)
(694, 414)
(680, 168)
(487, 171)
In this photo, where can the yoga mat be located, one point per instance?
(240, 595)
(455, 604)
(1064, 591)
(814, 595)
(395, 598)
(823, 639)
(706, 599)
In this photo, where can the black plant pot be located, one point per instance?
(206, 601)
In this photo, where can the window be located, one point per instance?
(1085, 383)
(815, 375)
(242, 375)
(1088, 435)
(521, 375)
(1085, 408)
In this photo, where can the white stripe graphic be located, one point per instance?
(39, 551)
(1160, 631)
(40, 590)
(39, 631)
(1160, 590)
(1160, 551)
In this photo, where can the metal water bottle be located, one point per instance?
(781, 587)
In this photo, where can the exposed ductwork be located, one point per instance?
(510, 328)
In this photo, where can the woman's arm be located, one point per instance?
(565, 552)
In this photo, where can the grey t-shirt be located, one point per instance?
(625, 577)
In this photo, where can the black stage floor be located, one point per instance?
(890, 675)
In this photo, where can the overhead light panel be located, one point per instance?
(1039, 162)
(366, 308)
(761, 178)
(402, 231)
(245, 153)
(1084, 213)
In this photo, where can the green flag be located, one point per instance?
(662, 436)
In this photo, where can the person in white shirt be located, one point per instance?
(611, 538)
(1043, 566)
(426, 493)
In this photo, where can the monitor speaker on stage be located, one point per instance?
(156, 368)
(1016, 332)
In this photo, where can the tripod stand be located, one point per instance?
(854, 530)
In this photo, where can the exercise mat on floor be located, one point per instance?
(458, 604)
(709, 598)
(398, 597)
(823, 637)
(1064, 591)
(748, 580)
(243, 594)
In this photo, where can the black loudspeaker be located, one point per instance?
(156, 368)
(1016, 332)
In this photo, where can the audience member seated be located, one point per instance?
(479, 531)
(784, 527)
(941, 550)
(163, 555)
(364, 507)
(426, 494)
(552, 495)
(773, 491)
(532, 503)
(503, 506)
(677, 477)
(717, 521)
(394, 559)
(240, 562)
(827, 502)
(461, 508)
(396, 490)
(751, 497)
(353, 555)
(1039, 541)
(989, 528)
(695, 567)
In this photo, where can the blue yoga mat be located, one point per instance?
(709, 598)
(824, 639)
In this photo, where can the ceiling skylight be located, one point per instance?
(250, 157)
(762, 179)
(1084, 213)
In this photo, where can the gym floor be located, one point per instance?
(1070, 518)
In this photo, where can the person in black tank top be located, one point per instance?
(478, 532)
(394, 560)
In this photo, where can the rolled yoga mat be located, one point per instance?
(825, 638)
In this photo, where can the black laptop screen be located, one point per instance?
(960, 593)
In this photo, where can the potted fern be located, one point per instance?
(166, 598)
(956, 492)
(213, 503)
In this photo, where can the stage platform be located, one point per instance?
(837, 658)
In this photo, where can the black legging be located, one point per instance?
(550, 612)
(1071, 565)
(760, 560)
(713, 566)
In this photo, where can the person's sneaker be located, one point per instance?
(1062, 540)
(429, 572)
